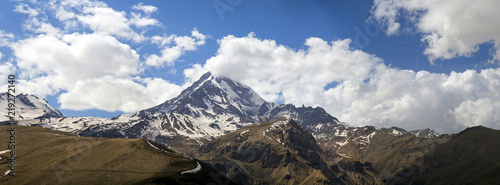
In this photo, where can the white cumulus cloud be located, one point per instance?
(25, 9)
(5, 38)
(107, 93)
(148, 9)
(451, 28)
(75, 56)
(173, 47)
(6, 68)
(107, 20)
(95, 70)
(99, 17)
(257, 62)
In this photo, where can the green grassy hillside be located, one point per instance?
(46, 156)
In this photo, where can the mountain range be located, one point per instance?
(229, 126)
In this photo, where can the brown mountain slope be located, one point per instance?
(470, 157)
(388, 153)
(385, 151)
(277, 152)
(46, 156)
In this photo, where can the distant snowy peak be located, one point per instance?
(423, 133)
(308, 117)
(28, 106)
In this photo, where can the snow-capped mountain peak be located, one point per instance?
(218, 94)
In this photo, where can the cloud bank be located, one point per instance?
(356, 87)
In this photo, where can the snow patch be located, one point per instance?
(344, 133)
(265, 135)
(395, 133)
(208, 104)
(343, 155)
(342, 143)
(199, 142)
(194, 170)
(245, 131)
(155, 146)
(276, 127)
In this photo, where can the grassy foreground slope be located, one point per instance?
(46, 156)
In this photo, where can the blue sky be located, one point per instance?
(393, 57)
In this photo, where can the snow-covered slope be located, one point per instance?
(77, 124)
(28, 107)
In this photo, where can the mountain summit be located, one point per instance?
(212, 96)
